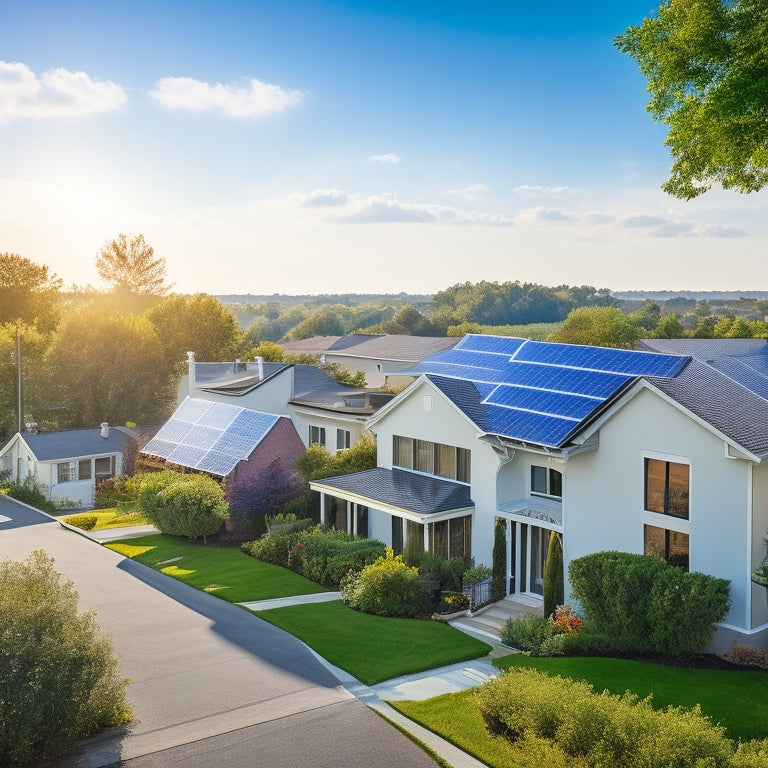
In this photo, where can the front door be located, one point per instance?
(528, 546)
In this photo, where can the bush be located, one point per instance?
(604, 729)
(387, 587)
(640, 604)
(526, 633)
(748, 656)
(28, 492)
(554, 587)
(115, 491)
(436, 574)
(475, 574)
(58, 673)
(85, 522)
(555, 635)
(499, 565)
(183, 505)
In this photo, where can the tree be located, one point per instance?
(554, 588)
(59, 677)
(499, 559)
(706, 62)
(598, 326)
(198, 323)
(29, 293)
(129, 264)
(108, 368)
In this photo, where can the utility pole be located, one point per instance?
(20, 405)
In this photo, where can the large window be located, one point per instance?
(447, 461)
(671, 546)
(66, 471)
(104, 467)
(316, 435)
(451, 538)
(343, 439)
(666, 487)
(546, 481)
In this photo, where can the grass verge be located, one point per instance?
(737, 699)
(110, 518)
(375, 648)
(223, 571)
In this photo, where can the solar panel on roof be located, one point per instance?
(502, 345)
(220, 436)
(574, 407)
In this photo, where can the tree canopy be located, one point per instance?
(601, 326)
(706, 62)
(29, 292)
(128, 263)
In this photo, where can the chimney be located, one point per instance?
(191, 377)
(105, 429)
(260, 364)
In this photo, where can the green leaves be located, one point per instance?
(706, 62)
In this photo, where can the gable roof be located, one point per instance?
(392, 347)
(537, 392)
(73, 444)
(234, 379)
(314, 345)
(210, 436)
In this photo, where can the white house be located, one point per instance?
(67, 464)
(322, 410)
(637, 451)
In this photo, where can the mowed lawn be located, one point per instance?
(109, 518)
(375, 648)
(223, 571)
(737, 699)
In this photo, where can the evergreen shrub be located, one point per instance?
(84, 522)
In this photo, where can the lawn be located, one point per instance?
(111, 518)
(223, 571)
(375, 648)
(737, 699)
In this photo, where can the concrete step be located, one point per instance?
(488, 622)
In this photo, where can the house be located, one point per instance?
(381, 357)
(225, 440)
(640, 451)
(322, 410)
(68, 464)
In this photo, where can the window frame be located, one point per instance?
(668, 504)
(553, 477)
(424, 457)
(343, 436)
(320, 432)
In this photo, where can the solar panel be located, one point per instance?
(212, 437)
(537, 391)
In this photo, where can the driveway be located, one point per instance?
(210, 684)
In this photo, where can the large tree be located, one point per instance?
(598, 326)
(108, 368)
(128, 263)
(706, 62)
(199, 324)
(28, 291)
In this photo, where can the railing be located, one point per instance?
(478, 594)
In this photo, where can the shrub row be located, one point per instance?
(324, 557)
(640, 604)
(28, 492)
(84, 522)
(608, 730)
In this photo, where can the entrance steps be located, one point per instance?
(486, 623)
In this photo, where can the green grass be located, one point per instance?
(110, 518)
(737, 699)
(375, 648)
(223, 571)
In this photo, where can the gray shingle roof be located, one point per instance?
(405, 490)
(704, 349)
(74, 443)
(408, 349)
(315, 387)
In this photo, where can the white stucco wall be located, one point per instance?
(604, 498)
(303, 418)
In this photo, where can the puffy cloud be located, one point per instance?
(719, 230)
(325, 198)
(388, 159)
(57, 93)
(255, 100)
(528, 190)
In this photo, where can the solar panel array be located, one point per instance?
(541, 392)
(750, 370)
(212, 437)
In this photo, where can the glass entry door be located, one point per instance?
(528, 554)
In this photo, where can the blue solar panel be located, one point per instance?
(536, 391)
(744, 374)
(221, 436)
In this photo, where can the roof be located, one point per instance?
(537, 392)
(314, 387)
(408, 491)
(315, 345)
(74, 443)
(210, 436)
(236, 378)
(409, 349)
(704, 349)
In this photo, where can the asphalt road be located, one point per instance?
(210, 684)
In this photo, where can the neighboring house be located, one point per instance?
(322, 410)
(383, 356)
(225, 440)
(68, 464)
(314, 345)
(642, 452)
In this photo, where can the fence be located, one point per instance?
(478, 594)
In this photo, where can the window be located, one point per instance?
(104, 467)
(546, 481)
(84, 469)
(671, 546)
(66, 471)
(343, 439)
(666, 487)
(316, 435)
(447, 461)
(451, 538)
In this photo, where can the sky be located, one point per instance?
(323, 146)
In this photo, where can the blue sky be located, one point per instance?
(315, 147)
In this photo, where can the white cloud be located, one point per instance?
(255, 100)
(389, 159)
(325, 198)
(57, 93)
(528, 190)
(472, 192)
